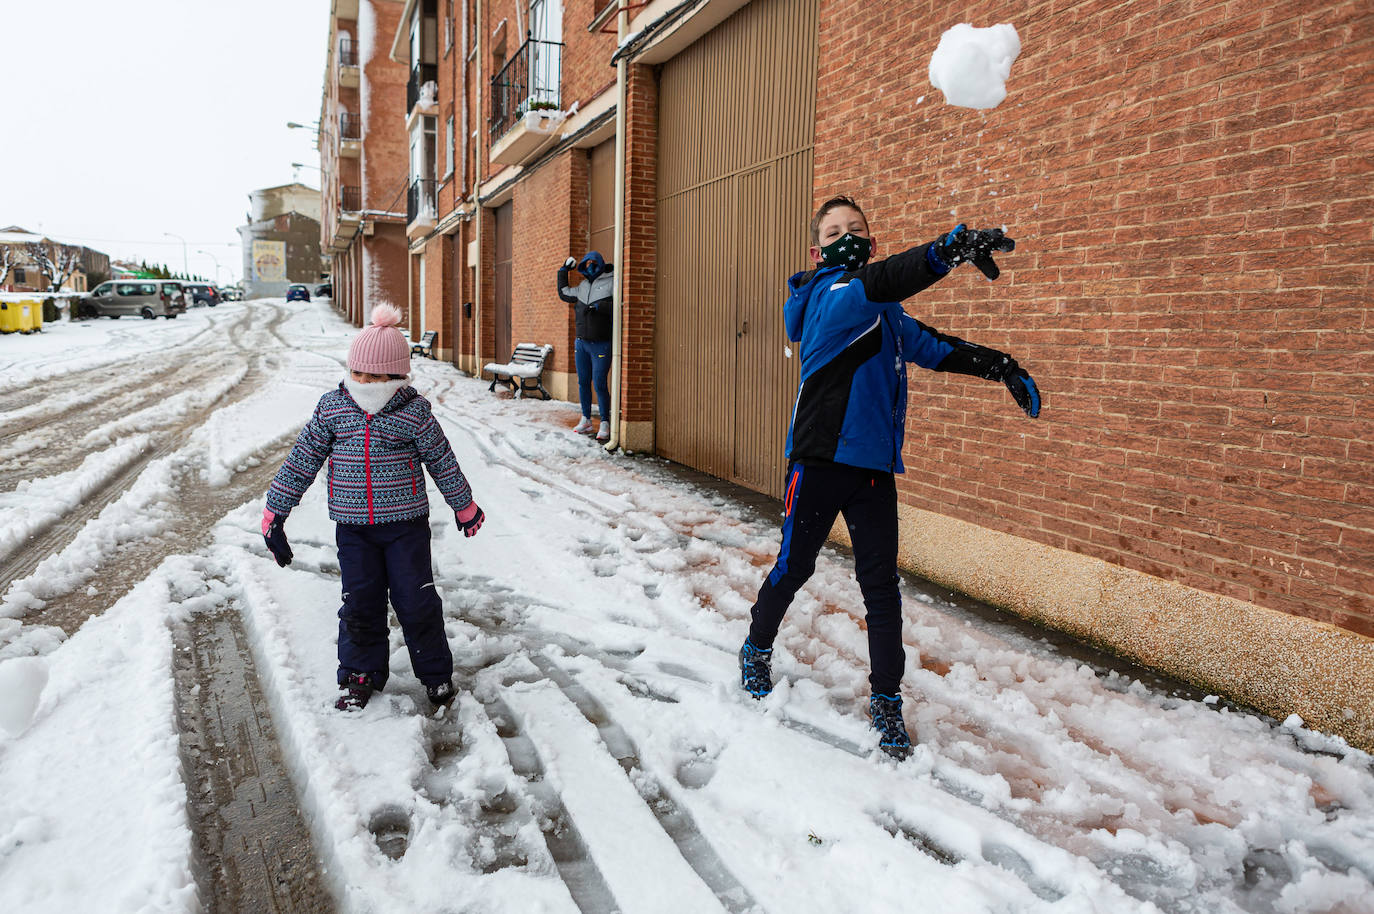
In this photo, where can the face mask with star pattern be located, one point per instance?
(848, 251)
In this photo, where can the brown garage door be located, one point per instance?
(736, 127)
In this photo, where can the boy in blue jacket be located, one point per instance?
(845, 442)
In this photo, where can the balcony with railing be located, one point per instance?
(419, 75)
(350, 217)
(422, 204)
(525, 102)
(350, 134)
(349, 74)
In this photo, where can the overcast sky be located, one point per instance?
(128, 121)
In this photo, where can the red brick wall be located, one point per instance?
(385, 160)
(637, 282)
(1189, 187)
(586, 55)
(545, 220)
(488, 305)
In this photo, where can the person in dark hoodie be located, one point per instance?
(591, 301)
(844, 446)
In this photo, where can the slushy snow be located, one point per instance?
(971, 65)
(594, 622)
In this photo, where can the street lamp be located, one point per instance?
(216, 260)
(186, 270)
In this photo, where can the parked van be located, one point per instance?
(146, 298)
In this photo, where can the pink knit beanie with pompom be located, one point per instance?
(381, 348)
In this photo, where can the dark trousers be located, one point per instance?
(593, 369)
(816, 494)
(378, 561)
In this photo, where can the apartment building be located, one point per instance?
(363, 158)
(1190, 286)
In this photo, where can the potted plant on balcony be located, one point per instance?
(542, 116)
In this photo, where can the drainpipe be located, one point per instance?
(622, 25)
(476, 203)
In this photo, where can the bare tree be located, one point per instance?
(9, 258)
(55, 261)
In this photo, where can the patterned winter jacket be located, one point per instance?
(374, 461)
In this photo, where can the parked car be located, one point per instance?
(232, 293)
(324, 290)
(298, 292)
(147, 298)
(201, 293)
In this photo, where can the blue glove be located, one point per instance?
(1023, 389)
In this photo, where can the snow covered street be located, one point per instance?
(601, 756)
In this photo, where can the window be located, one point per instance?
(104, 288)
(448, 147)
(423, 150)
(20, 275)
(147, 288)
(126, 289)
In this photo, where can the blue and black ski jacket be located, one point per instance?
(855, 343)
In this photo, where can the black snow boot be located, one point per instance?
(756, 669)
(357, 690)
(441, 693)
(887, 720)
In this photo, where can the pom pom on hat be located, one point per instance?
(386, 316)
(381, 348)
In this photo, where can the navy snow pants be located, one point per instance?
(381, 560)
(815, 495)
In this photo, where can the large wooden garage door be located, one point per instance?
(736, 127)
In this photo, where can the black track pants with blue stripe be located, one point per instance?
(816, 494)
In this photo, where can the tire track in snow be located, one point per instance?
(674, 819)
(251, 849)
(566, 845)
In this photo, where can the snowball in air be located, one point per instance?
(971, 65)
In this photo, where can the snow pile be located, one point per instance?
(971, 65)
(34, 505)
(93, 808)
(21, 684)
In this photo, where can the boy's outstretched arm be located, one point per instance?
(938, 351)
(901, 276)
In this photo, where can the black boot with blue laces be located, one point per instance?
(887, 720)
(756, 669)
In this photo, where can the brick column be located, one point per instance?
(640, 259)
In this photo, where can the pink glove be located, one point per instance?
(470, 519)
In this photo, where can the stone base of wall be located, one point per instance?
(637, 436)
(1278, 663)
(562, 384)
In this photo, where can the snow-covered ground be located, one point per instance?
(600, 756)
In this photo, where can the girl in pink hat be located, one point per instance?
(374, 432)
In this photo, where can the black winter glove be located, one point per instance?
(991, 365)
(274, 534)
(975, 246)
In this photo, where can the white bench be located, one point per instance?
(524, 372)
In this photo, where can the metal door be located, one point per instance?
(736, 129)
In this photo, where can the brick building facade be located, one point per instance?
(1189, 192)
(362, 159)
